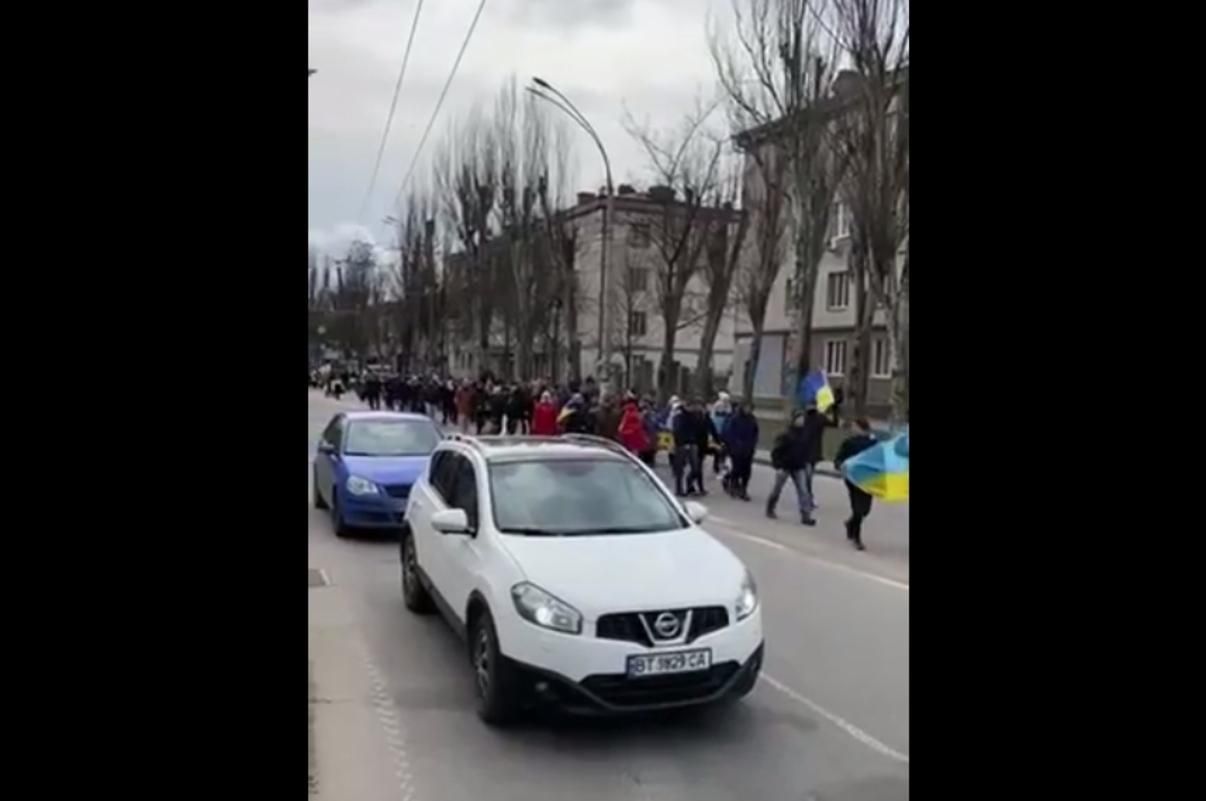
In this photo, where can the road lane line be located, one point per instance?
(730, 528)
(840, 722)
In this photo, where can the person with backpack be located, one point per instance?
(860, 501)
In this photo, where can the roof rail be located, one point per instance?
(468, 439)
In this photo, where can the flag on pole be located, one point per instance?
(814, 388)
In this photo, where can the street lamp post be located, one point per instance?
(567, 106)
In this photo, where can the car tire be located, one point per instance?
(341, 528)
(414, 594)
(493, 679)
(319, 503)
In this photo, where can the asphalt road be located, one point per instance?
(829, 720)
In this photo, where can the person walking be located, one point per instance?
(721, 412)
(860, 501)
(631, 429)
(788, 457)
(815, 424)
(683, 427)
(652, 428)
(706, 441)
(372, 391)
(464, 405)
(575, 418)
(544, 417)
(741, 441)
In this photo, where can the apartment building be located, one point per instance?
(633, 326)
(835, 300)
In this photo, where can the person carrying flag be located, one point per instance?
(860, 501)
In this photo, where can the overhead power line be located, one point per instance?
(368, 193)
(443, 93)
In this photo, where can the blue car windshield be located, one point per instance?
(390, 438)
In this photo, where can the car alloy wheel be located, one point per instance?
(481, 662)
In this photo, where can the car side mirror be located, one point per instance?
(451, 521)
(696, 511)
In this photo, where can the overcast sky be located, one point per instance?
(650, 55)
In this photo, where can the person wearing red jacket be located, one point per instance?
(631, 433)
(544, 417)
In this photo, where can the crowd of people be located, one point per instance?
(692, 432)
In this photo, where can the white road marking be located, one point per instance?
(395, 731)
(841, 723)
(732, 530)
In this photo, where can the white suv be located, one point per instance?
(577, 578)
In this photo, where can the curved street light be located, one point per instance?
(570, 110)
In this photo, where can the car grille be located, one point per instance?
(627, 625)
(397, 490)
(621, 691)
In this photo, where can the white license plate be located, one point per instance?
(673, 662)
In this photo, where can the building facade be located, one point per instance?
(633, 325)
(835, 301)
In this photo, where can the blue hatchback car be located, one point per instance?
(366, 464)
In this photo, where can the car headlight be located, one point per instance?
(747, 599)
(537, 606)
(361, 486)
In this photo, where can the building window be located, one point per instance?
(840, 221)
(881, 366)
(638, 235)
(789, 297)
(638, 279)
(636, 324)
(837, 292)
(835, 357)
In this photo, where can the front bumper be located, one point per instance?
(373, 511)
(618, 694)
(585, 670)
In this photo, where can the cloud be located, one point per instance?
(649, 56)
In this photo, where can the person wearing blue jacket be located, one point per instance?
(740, 441)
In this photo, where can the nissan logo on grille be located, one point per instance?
(666, 625)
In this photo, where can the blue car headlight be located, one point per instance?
(362, 486)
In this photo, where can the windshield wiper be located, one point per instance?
(623, 530)
(532, 532)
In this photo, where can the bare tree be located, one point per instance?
(467, 186)
(684, 162)
(719, 268)
(525, 137)
(766, 204)
(777, 79)
(562, 246)
(873, 132)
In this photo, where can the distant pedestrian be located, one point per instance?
(722, 411)
(544, 416)
(788, 458)
(631, 430)
(815, 424)
(860, 501)
(741, 441)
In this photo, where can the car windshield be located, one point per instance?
(390, 438)
(565, 497)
